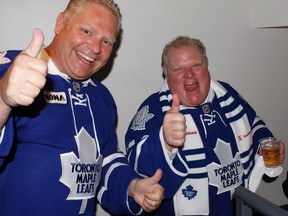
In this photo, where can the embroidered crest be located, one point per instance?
(227, 175)
(76, 87)
(82, 174)
(3, 59)
(206, 108)
(189, 192)
(140, 119)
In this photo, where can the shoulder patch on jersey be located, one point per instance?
(141, 118)
(3, 59)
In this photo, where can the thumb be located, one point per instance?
(36, 44)
(156, 177)
(175, 107)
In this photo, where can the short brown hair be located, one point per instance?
(179, 42)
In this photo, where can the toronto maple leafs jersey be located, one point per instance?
(222, 139)
(60, 154)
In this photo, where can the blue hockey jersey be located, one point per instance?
(221, 143)
(60, 154)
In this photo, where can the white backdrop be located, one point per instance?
(254, 60)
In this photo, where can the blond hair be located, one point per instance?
(73, 6)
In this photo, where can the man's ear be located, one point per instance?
(60, 22)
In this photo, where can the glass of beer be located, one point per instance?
(270, 150)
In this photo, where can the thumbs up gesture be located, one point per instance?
(174, 127)
(147, 192)
(26, 76)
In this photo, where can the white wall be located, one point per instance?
(270, 13)
(254, 61)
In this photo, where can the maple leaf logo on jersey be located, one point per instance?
(140, 119)
(3, 59)
(82, 174)
(189, 192)
(227, 175)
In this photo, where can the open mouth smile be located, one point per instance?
(86, 57)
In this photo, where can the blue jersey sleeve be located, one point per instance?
(7, 134)
(145, 148)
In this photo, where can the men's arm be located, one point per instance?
(24, 79)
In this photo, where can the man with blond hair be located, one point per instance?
(58, 145)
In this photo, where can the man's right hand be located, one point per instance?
(174, 126)
(25, 78)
